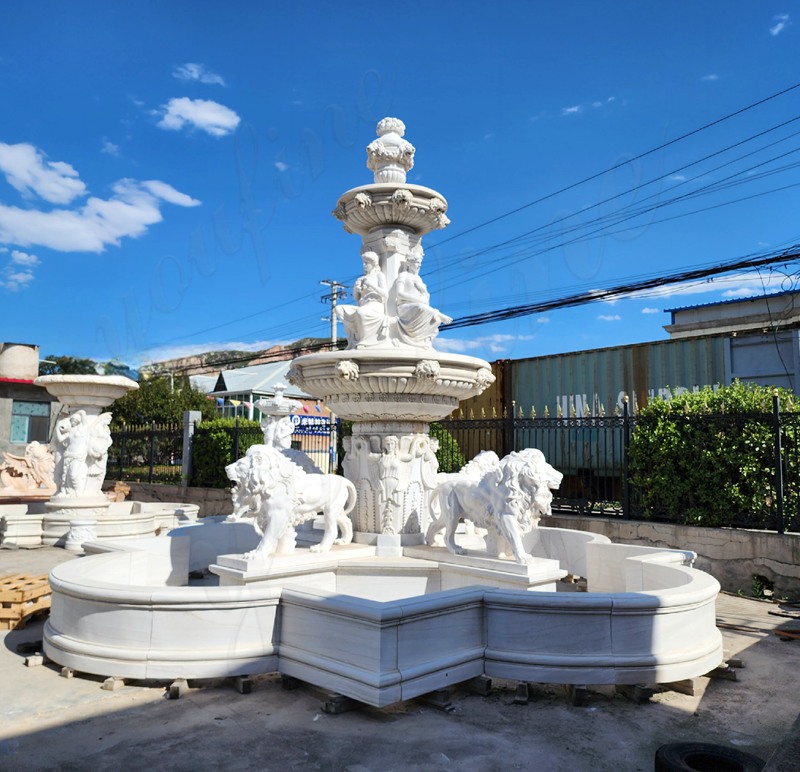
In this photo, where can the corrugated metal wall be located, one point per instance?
(605, 376)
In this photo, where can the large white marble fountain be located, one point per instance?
(388, 596)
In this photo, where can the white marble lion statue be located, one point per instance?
(280, 495)
(507, 497)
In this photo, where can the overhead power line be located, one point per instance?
(612, 293)
(618, 166)
(613, 218)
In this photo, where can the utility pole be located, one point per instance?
(337, 292)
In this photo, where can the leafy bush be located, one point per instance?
(214, 447)
(708, 458)
(449, 455)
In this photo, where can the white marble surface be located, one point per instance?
(31, 525)
(358, 627)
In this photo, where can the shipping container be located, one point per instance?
(597, 381)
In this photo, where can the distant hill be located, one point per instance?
(211, 362)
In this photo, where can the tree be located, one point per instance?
(53, 365)
(160, 401)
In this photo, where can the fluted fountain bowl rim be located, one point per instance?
(422, 382)
(86, 390)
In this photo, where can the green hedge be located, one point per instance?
(213, 449)
(708, 458)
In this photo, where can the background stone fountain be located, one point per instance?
(79, 511)
(390, 381)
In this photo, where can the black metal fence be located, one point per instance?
(592, 452)
(151, 453)
(594, 455)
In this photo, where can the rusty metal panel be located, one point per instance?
(604, 376)
(490, 403)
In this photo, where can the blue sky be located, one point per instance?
(167, 170)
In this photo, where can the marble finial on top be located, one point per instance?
(390, 156)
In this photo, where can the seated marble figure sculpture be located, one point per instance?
(508, 497)
(366, 324)
(417, 321)
(280, 495)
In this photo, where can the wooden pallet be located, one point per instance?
(20, 597)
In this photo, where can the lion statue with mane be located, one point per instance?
(280, 495)
(507, 497)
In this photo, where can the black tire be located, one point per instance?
(705, 757)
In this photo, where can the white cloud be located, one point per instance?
(710, 78)
(678, 178)
(649, 310)
(109, 148)
(609, 317)
(542, 320)
(496, 344)
(26, 169)
(213, 118)
(281, 166)
(781, 20)
(128, 212)
(574, 110)
(742, 292)
(23, 258)
(167, 193)
(597, 104)
(197, 72)
(18, 273)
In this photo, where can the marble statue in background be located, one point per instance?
(76, 450)
(507, 497)
(81, 456)
(280, 496)
(417, 321)
(97, 455)
(31, 473)
(278, 427)
(366, 324)
(276, 420)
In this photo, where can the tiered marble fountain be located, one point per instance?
(385, 616)
(390, 381)
(79, 510)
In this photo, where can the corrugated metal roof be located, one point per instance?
(760, 296)
(204, 383)
(258, 379)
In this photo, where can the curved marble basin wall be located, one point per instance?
(129, 613)
(115, 614)
(30, 526)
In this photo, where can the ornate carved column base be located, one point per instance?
(393, 466)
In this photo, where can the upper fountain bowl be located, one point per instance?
(86, 391)
(386, 205)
